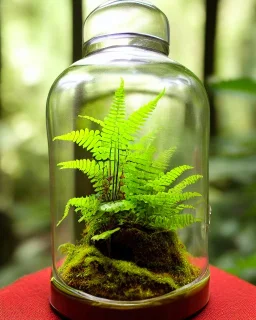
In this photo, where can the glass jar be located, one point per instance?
(128, 132)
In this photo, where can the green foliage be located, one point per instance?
(238, 86)
(88, 207)
(164, 158)
(116, 206)
(176, 221)
(125, 174)
(88, 139)
(105, 235)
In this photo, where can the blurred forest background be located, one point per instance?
(215, 39)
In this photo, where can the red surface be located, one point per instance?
(27, 299)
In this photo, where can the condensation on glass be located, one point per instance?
(128, 147)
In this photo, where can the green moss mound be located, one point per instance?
(157, 264)
(158, 251)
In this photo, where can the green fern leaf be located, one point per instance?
(163, 161)
(115, 136)
(186, 182)
(116, 206)
(105, 235)
(90, 167)
(138, 117)
(88, 139)
(182, 220)
(167, 179)
(181, 207)
(144, 142)
(162, 199)
(101, 123)
(175, 222)
(168, 209)
(137, 176)
(88, 207)
(185, 196)
(114, 123)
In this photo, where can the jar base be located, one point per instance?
(175, 307)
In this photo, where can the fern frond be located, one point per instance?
(168, 210)
(168, 178)
(163, 160)
(186, 182)
(116, 206)
(185, 196)
(88, 207)
(181, 207)
(104, 235)
(137, 176)
(143, 158)
(116, 117)
(88, 139)
(174, 222)
(101, 123)
(115, 137)
(142, 152)
(138, 117)
(164, 199)
(145, 142)
(172, 175)
(90, 167)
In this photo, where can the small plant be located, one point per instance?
(135, 196)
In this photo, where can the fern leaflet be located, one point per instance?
(101, 123)
(138, 117)
(174, 222)
(163, 160)
(88, 207)
(104, 235)
(88, 139)
(186, 182)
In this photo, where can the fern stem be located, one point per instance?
(103, 179)
(114, 176)
(118, 162)
(110, 169)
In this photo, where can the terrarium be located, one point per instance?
(128, 147)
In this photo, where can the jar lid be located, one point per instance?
(126, 17)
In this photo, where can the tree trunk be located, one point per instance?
(209, 59)
(77, 29)
(77, 37)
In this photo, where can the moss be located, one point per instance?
(88, 270)
(142, 265)
(160, 252)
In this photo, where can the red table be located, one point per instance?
(27, 298)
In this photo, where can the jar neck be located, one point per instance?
(127, 39)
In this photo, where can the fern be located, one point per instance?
(88, 139)
(91, 167)
(101, 123)
(88, 207)
(186, 182)
(105, 235)
(163, 161)
(174, 222)
(138, 118)
(127, 178)
(167, 179)
(116, 206)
